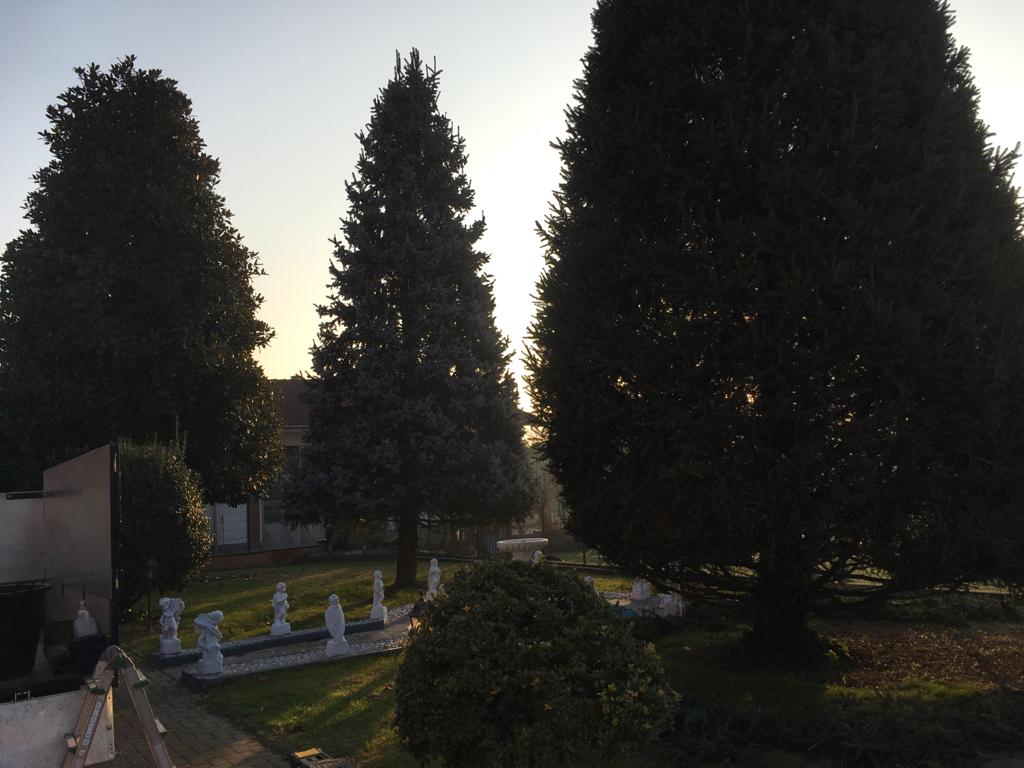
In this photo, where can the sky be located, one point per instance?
(280, 90)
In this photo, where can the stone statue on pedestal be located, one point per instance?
(378, 612)
(84, 624)
(280, 603)
(433, 579)
(334, 617)
(641, 589)
(170, 620)
(208, 628)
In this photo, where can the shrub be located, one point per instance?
(161, 517)
(523, 665)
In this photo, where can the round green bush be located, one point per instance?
(525, 665)
(162, 518)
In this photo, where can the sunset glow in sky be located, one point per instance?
(280, 89)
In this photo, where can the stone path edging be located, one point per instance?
(304, 658)
(391, 637)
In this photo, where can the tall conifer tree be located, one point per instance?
(127, 308)
(412, 407)
(780, 339)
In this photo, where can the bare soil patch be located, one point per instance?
(884, 654)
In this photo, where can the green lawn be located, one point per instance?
(750, 719)
(345, 708)
(933, 683)
(727, 718)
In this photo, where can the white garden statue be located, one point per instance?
(378, 612)
(537, 557)
(670, 604)
(334, 617)
(208, 628)
(170, 619)
(641, 589)
(433, 580)
(280, 603)
(84, 624)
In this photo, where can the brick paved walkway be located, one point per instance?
(194, 736)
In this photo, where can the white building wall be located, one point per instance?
(21, 540)
(32, 731)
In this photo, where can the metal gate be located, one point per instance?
(230, 527)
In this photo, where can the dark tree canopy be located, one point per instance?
(127, 307)
(780, 331)
(412, 408)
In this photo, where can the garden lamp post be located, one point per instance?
(151, 566)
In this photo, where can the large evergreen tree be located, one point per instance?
(412, 408)
(127, 308)
(778, 353)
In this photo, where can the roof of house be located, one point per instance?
(294, 412)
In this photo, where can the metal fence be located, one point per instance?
(237, 529)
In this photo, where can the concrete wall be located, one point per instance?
(77, 534)
(32, 731)
(21, 539)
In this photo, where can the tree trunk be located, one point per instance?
(408, 530)
(780, 632)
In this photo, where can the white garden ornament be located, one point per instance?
(670, 605)
(208, 628)
(84, 624)
(433, 580)
(170, 619)
(334, 617)
(641, 589)
(522, 549)
(280, 603)
(379, 611)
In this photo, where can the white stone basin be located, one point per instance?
(521, 549)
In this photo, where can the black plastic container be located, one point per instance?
(21, 621)
(86, 651)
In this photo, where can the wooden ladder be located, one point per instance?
(80, 740)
